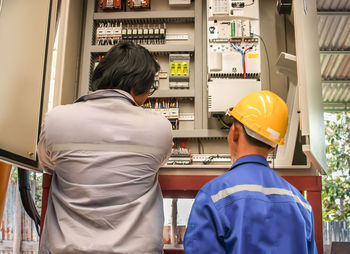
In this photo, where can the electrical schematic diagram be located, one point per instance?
(233, 51)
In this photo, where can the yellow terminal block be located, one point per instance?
(178, 68)
(173, 68)
(185, 68)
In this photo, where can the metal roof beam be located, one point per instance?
(329, 106)
(334, 13)
(336, 81)
(335, 52)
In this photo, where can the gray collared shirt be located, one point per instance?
(104, 153)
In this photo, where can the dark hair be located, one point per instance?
(250, 139)
(125, 66)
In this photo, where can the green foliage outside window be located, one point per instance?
(336, 184)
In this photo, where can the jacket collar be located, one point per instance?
(250, 159)
(107, 93)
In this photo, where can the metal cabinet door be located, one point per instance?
(24, 30)
(309, 81)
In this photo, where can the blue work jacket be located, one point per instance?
(250, 209)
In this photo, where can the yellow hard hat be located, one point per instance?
(265, 113)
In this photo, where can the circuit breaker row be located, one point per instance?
(108, 33)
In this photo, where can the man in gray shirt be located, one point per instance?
(104, 152)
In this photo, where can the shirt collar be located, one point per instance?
(103, 93)
(250, 159)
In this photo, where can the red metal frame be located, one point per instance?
(187, 186)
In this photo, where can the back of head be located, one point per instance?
(264, 116)
(126, 66)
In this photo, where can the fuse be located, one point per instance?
(162, 33)
(172, 68)
(140, 34)
(151, 35)
(178, 69)
(145, 34)
(134, 34)
(124, 34)
(185, 68)
(156, 34)
(129, 33)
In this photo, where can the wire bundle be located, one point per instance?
(243, 53)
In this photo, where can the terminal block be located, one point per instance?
(179, 70)
(169, 108)
(180, 155)
(144, 33)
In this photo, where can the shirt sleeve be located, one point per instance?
(312, 248)
(44, 154)
(204, 229)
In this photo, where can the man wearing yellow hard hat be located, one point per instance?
(250, 209)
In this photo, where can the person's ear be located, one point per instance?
(236, 132)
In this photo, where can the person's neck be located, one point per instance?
(252, 150)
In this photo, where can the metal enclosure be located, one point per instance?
(294, 75)
(24, 29)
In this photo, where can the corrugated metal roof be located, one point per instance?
(334, 32)
(333, 5)
(335, 67)
(334, 42)
(336, 92)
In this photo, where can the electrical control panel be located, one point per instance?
(211, 54)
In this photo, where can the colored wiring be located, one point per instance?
(244, 66)
(242, 53)
(226, 125)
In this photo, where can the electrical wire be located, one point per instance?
(244, 66)
(26, 197)
(226, 125)
(200, 146)
(242, 53)
(267, 57)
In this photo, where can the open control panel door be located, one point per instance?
(24, 29)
